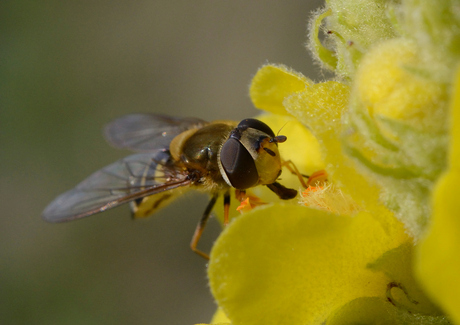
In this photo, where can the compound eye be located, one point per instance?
(238, 164)
(256, 124)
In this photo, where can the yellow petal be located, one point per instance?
(220, 318)
(321, 107)
(438, 264)
(368, 310)
(294, 265)
(404, 291)
(374, 310)
(272, 84)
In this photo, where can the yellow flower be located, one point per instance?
(438, 263)
(379, 244)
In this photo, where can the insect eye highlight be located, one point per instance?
(256, 124)
(238, 164)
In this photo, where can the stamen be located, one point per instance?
(328, 197)
(393, 301)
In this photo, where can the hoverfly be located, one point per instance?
(175, 154)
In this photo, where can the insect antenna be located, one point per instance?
(279, 138)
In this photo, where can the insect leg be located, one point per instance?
(293, 169)
(226, 207)
(200, 227)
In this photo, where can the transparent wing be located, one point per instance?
(147, 132)
(126, 180)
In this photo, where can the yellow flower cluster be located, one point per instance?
(381, 243)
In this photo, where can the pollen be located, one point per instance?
(249, 202)
(329, 198)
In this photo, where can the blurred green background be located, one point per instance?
(67, 69)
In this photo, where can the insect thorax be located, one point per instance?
(199, 152)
